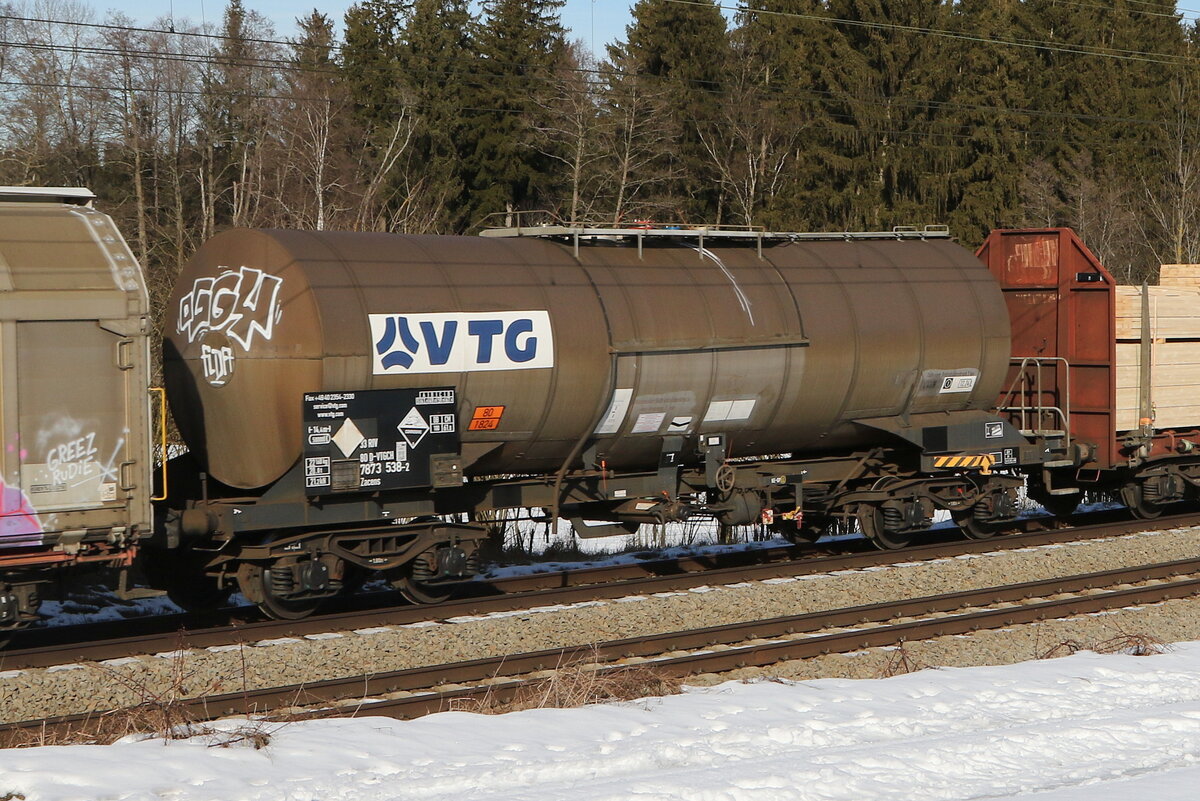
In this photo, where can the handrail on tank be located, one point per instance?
(551, 226)
(1038, 410)
(531, 220)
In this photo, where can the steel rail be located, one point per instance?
(574, 586)
(949, 620)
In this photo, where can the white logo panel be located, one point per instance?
(460, 342)
(957, 383)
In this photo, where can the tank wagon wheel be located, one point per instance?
(870, 520)
(418, 592)
(1133, 495)
(410, 579)
(972, 526)
(255, 583)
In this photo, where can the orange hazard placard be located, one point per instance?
(486, 418)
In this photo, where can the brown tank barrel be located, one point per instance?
(780, 352)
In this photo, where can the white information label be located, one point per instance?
(741, 409)
(648, 423)
(720, 411)
(957, 383)
(615, 415)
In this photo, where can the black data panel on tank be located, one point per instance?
(376, 440)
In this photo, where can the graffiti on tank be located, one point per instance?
(242, 306)
(217, 364)
(19, 524)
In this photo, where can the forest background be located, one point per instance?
(440, 116)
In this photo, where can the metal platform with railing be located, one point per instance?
(546, 225)
(1025, 405)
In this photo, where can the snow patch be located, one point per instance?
(1081, 728)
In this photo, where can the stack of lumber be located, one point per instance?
(1174, 349)
(1186, 275)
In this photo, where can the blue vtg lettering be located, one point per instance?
(461, 342)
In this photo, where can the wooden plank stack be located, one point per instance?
(1185, 275)
(1174, 349)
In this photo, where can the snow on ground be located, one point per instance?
(96, 604)
(1081, 728)
(634, 557)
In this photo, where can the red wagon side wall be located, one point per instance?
(1062, 303)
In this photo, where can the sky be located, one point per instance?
(596, 22)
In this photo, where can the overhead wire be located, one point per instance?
(597, 78)
(1035, 44)
(286, 65)
(1078, 49)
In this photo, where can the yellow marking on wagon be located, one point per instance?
(981, 461)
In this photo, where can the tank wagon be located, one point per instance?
(364, 404)
(345, 395)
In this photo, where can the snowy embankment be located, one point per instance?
(1084, 727)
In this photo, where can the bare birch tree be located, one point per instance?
(568, 129)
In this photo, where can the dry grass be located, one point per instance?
(1133, 644)
(164, 709)
(109, 727)
(899, 662)
(575, 684)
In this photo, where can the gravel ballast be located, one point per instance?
(70, 689)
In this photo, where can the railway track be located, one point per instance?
(723, 648)
(417, 691)
(572, 586)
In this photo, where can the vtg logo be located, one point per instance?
(461, 342)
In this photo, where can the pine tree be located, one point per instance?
(314, 127)
(685, 49)
(370, 59)
(987, 122)
(1105, 74)
(568, 132)
(1166, 165)
(232, 119)
(886, 89)
(784, 48)
(638, 134)
(437, 63)
(383, 112)
(520, 42)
